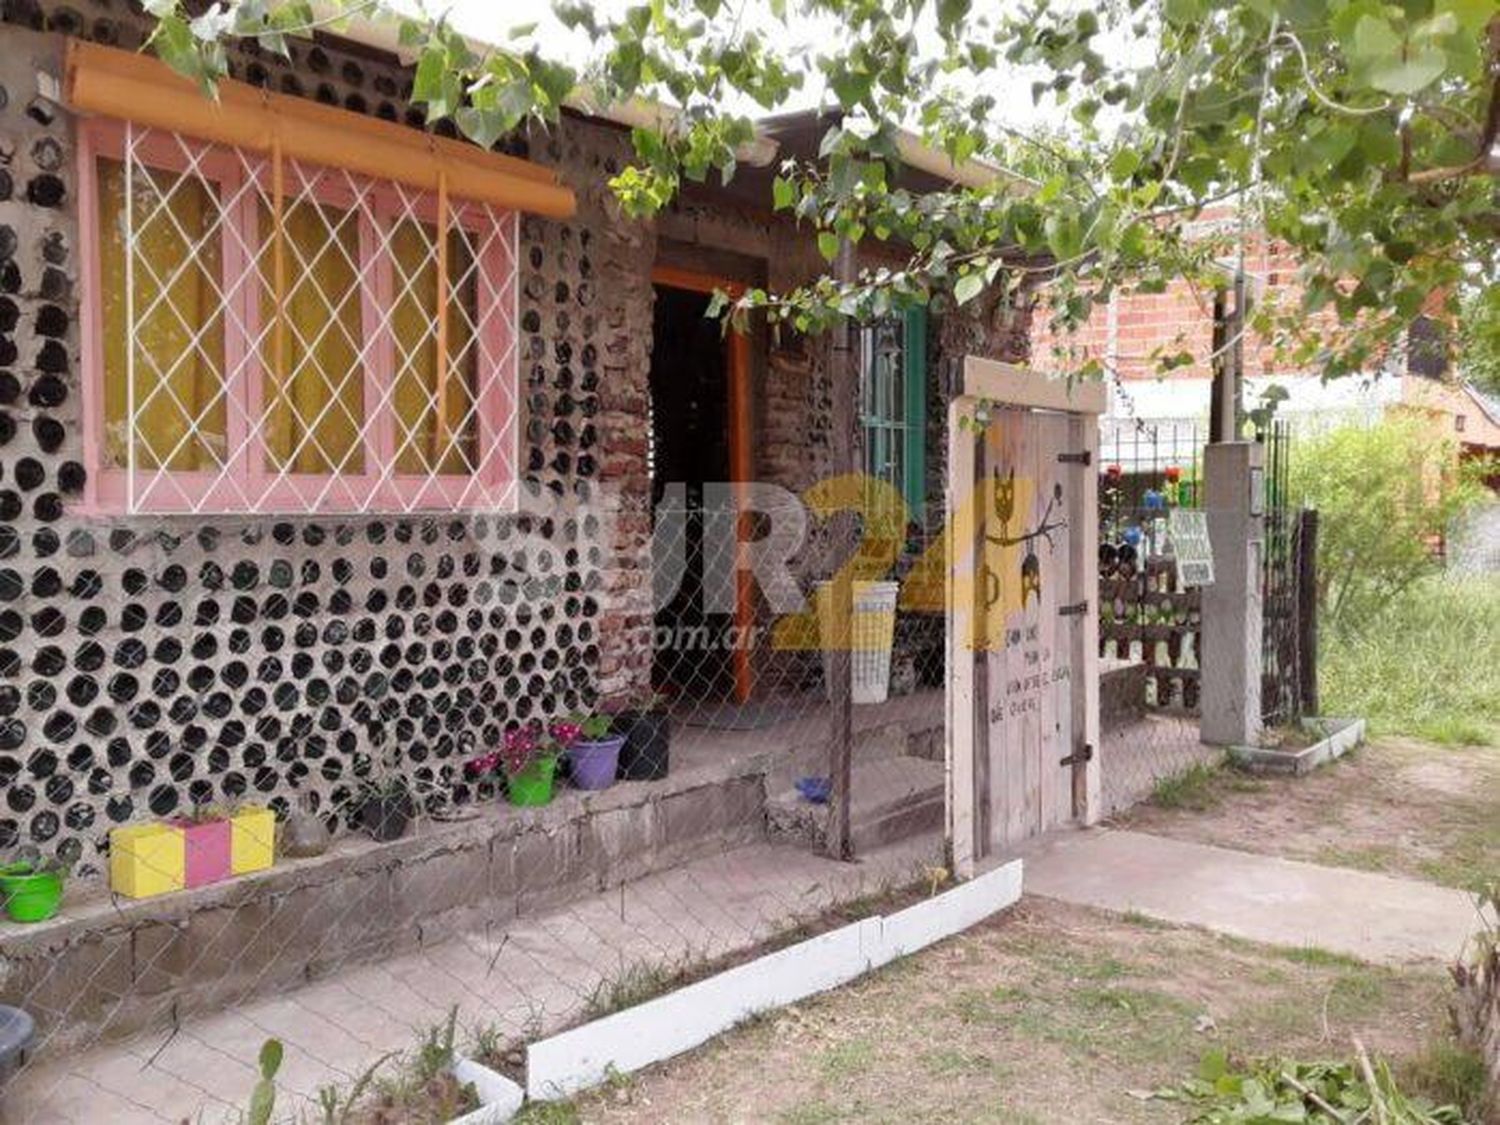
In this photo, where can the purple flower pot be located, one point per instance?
(592, 763)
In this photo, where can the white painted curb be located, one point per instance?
(575, 1060)
(1339, 736)
(500, 1099)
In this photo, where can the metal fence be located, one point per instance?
(447, 872)
(1150, 627)
(1288, 592)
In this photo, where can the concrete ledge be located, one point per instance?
(107, 967)
(1337, 738)
(500, 1099)
(575, 1060)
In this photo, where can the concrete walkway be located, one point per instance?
(527, 978)
(1261, 898)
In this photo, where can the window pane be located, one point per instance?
(893, 402)
(883, 400)
(436, 425)
(178, 321)
(314, 392)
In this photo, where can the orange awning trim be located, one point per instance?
(142, 89)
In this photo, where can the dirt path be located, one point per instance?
(1048, 1014)
(1396, 805)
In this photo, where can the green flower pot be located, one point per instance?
(532, 786)
(30, 896)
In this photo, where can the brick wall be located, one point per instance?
(1127, 331)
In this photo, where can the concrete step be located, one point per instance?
(894, 799)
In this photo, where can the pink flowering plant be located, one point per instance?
(522, 746)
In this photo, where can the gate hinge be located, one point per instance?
(1085, 457)
(1079, 757)
(1077, 609)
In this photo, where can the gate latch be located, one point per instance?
(1084, 457)
(1077, 609)
(1079, 757)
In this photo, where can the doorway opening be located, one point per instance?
(698, 385)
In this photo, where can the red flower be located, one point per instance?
(1114, 472)
(483, 765)
(518, 749)
(564, 733)
(1174, 473)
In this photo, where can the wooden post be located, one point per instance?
(962, 600)
(1307, 611)
(841, 736)
(1083, 566)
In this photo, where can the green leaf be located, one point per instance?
(270, 1058)
(1410, 75)
(482, 126)
(1123, 164)
(783, 193)
(430, 76)
(1473, 15)
(969, 286)
(828, 245)
(1214, 1065)
(1374, 38)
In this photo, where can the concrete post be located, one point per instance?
(1229, 692)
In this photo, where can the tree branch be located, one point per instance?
(1482, 157)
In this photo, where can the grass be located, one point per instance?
(1447, 1074)
(1469, 860)
(548, 1113)
(848, 1059)
(1428, 666)
(635, 984)
(1053, 1015)
(413, 1087)
(1369, 857)
(1195, 788)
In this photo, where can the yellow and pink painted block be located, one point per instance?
(153, 859)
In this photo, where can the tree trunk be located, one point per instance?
(1476, 1014)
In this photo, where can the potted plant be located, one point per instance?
(647, 728)
(385, 807)
(33, 888)
(593, 751)
(526, 759)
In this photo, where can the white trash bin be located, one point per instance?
(872, 636)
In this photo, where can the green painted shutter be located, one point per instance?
(914, 376)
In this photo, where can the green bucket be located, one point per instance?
(30, 895)
(532, 785)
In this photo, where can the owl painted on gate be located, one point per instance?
(1005, 496)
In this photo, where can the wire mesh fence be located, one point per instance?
(515, 864)
(447, 728)
(498, 872)
(1150, 627)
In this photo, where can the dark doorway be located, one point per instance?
(689, 448)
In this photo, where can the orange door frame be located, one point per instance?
(737, 352)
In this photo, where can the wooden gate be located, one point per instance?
(1023, 632)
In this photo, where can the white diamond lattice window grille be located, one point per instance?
(273, 336)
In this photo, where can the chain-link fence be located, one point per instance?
(1150, 627)
(497, 871)
(385, 668)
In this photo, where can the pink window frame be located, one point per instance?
(246, 486)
